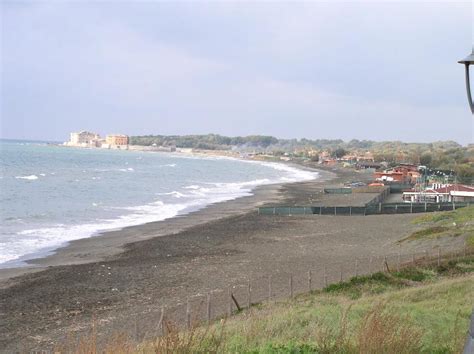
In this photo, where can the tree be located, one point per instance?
(339, 152)
(426, 159)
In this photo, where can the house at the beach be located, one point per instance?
(83, 138)
(116, 140)
(439, 193)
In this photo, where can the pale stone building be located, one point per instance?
(84, 138)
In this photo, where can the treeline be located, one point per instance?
(208, 142)
(446, 155)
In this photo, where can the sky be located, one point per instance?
(330, 70)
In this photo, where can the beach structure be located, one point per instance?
(116, 140)
(84, 138)
(439, 193)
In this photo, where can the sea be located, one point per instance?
(50, 194)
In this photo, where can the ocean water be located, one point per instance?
(50, 195)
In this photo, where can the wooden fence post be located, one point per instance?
(340, 274)
(249, 294)
(137, 339)
(356, 270)
(439, 256)
(229, 299)
(325, 277)
(188, 315)
(161, 326)
(370, 264)
(399, 260)
(310, 287)
(291, 286)
(208, 312)
(269, 288)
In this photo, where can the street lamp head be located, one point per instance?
(468, 60)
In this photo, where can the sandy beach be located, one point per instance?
(123, 275)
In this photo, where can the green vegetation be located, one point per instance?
(416, 310)
(448, 223)
(445, 155)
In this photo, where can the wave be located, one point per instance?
(30, 177)
(45, 240)
(174, 194)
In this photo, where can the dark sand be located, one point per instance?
(124, 277)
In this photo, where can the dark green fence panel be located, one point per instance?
(327, 210)
(432, 207)
(406, 208)
(266, 211)
(389, 209)
(338, 190)
(418, 208)
(445, 207)
(343, 210)
(372, 210)
(358, 210)
(297, 210)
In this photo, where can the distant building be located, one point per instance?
(116, 139)
(441, 193)
(84, 138)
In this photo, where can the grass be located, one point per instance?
(454, 223)
(415, 310)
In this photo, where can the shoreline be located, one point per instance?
(102, 245)
(163, 264)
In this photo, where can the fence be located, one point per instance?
(370, 208)
(346, 190)
(216, 304)
(469, 346)
(380, 197)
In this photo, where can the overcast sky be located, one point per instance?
(364, 70)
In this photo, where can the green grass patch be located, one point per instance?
(447, 223)
(462, 215)
(414, 310)
(419, 310)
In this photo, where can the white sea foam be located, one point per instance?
(191, 197)
(30, 177)
(192, 187)
(174, 194)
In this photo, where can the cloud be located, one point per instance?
(316, 70)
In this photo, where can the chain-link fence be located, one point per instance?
(205, 307)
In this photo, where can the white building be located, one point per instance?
(84, 138)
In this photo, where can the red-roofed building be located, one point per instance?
(441, 194)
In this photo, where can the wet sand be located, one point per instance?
(123, 275)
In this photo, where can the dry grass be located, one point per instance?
(429, 317)
(384, 331)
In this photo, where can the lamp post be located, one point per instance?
(468, 61)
